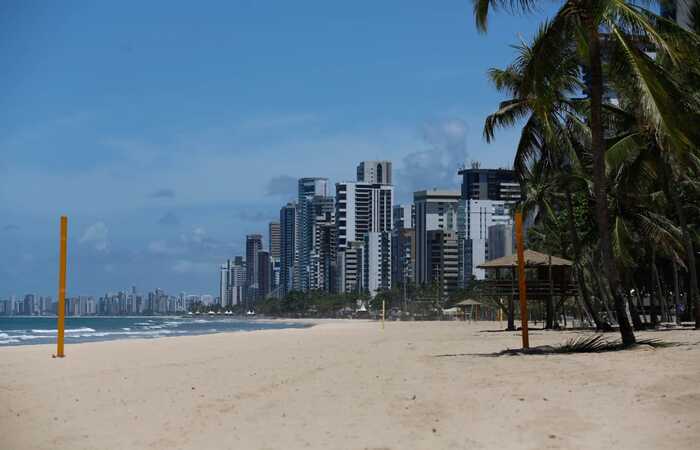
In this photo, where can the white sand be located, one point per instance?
(348, 385)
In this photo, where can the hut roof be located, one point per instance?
(532, 259)
(467, 302)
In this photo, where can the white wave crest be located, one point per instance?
(70, 330)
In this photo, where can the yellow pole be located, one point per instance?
(383, 312)
(62, 286)
(521, 277)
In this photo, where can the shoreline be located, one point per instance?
(34, 332)
(348, 384)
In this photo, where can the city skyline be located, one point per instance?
(164, 154)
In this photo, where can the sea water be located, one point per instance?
(42, 330)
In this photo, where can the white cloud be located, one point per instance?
(96, 235)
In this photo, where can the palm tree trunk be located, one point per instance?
(693, 298)
(655, 291)
(580, 278)
(599, 177)
(676, 291)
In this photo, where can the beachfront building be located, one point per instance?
(403, 244)
(273, 236)
(360, 208)
(488, 197)
(436, 210)
(404, 216)
(350, 267)
(264, 275)
(403, 251)
(680, 11)
(232, 281)
(308, 189)
(322, 258)
(377, 262)
(288, 247)
(253, 247)
(374, 172)
(443, 261)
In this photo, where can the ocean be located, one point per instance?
(42, 330)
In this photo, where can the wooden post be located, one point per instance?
(62, 287)
(521, 277)
(383, 311)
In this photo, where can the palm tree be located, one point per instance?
(624, 24)
(547, 158)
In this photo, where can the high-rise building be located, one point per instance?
(443, 261)
(309, 188)
(322, 261)
(253, 247)
(488, 199)
(489, 184)
(679, 11)
(349, 265)
(288, 247)
(404, 216)
(327, 257)
(274, 247)
(232, 282)
(403, 252)
(361, 208)
(274, 239)
(374, 172)
(377, 262)
(263, 275)
(435, 210)
(501, 241)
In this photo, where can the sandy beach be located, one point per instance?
(350, 385)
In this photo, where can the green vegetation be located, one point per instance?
(609, 97)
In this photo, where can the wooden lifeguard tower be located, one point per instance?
(548, 277)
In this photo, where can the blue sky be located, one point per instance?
(166, 131)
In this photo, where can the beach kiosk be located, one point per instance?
(470, 309)
(548, 277)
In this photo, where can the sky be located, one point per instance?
(166, 131)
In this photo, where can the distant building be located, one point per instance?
(264, 275)
(323, 218)
(274, 239)
(404, 216)
(232, 282)
(403, 251)
(377, 262)
(253, 247)
(679, 11)
(350, 263)
(374, 172)
(443, 261)
(360, 208)
(435, 211)
(309, 188)
(489, 184)
(501, 241)
(288, 247)
(488, 199)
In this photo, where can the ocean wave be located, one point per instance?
(29, 337)
(4, 335)
(126, 329)
(8, 341)
(128, 333)
(70, 330)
